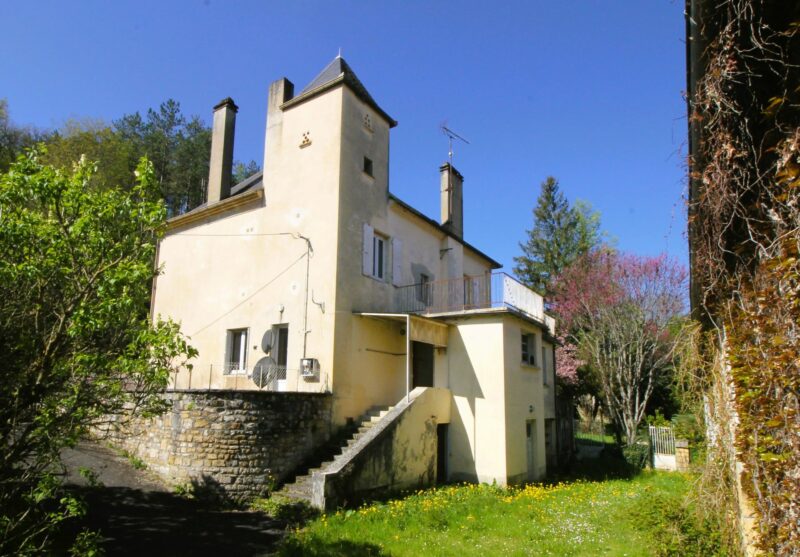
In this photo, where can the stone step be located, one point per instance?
(375, 418)
(375, 410)
(300, 488)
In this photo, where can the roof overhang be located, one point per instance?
(202, 213)
(420, 329)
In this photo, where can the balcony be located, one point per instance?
(490, 291)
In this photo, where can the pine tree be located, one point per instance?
(559, 235)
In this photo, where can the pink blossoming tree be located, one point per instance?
(618, 312)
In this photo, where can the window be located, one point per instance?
(367, 166)
(378, 256)
(529, 349)
(237, 351)
(470, 287)
(424, 289)
(545, 366)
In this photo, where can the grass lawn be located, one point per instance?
(612, 517)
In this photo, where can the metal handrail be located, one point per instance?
(495, 290)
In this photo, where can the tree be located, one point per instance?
(242, 171)
(96, 141)
(621, 311)
(179, 148)
(14, 139)
(560, 234)
(76, 342)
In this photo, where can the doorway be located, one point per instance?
(530, 442)
(441, 453)
(421, 364)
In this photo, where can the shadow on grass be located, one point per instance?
(609, 464)
(319, 548)
(135, 523)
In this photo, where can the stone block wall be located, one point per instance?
(682, 455)
(236, 442)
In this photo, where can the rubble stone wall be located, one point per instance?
(234, 442)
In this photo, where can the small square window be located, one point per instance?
(236, 362)
(529, 349)
(367, 166)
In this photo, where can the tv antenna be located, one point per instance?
(451, 135)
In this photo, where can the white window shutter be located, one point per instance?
(397, 261)
(367, 250)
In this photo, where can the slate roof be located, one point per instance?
(333, 70)
(254, 182)
(338, 71)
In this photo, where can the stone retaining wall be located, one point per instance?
(239, 443)
(399, 452)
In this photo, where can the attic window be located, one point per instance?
(368, 166)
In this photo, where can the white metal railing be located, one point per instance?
(494, 290)
(662, 440)
(234, 368)
(519, 296)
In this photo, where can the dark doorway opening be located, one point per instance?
(421, 364)
(441, 453)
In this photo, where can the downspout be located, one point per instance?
(408, 358)
(305, 304)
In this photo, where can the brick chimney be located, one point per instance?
(221, 164)
(452, 187)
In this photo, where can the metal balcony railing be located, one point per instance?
(496, 290)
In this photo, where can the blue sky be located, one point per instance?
(587, 91)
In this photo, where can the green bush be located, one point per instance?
(677, 528)
(637, 456)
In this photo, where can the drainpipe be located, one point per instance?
(408, 358)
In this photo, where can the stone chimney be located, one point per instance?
(280, 91)
(452, 186)
(221, 164)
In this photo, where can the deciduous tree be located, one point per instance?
(76, 342)
(621, 310)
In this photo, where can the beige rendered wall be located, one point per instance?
(525, 401)
(236, 270)
(362, 199)
(376, 372)
(400, 452)
(477, 440)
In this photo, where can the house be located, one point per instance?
(313, 277)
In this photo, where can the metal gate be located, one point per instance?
(662, 448)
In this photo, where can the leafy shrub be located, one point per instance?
(637, 455)
(677, 528)
(687, 426)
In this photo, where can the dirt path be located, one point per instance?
(138, 516)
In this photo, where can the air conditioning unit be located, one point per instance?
(309, 367)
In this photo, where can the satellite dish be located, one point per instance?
(266, 341)
(264, 372)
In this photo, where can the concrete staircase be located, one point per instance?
(299, 489)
